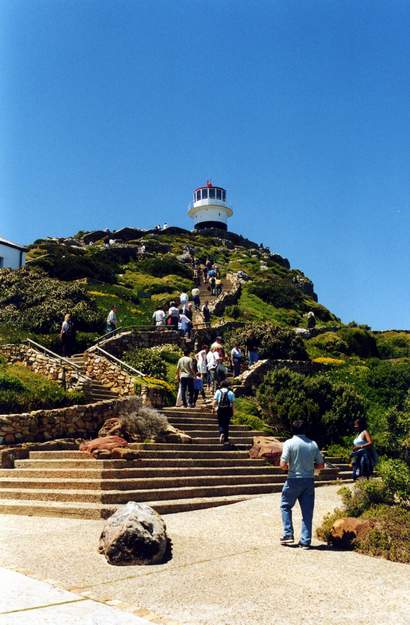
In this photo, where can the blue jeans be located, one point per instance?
(303, 490)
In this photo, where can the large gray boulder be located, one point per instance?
(134, 534)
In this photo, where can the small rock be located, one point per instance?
(134, 534)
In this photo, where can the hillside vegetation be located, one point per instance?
(366, 373)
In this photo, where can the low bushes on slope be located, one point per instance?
(32, 301)
(273, 342)
(328, 409)
(21, 390)
(385, 501)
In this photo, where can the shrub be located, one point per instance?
(328, 409)
(147, 361)
(68, 263)
(233, 311)
(390, 537)
(32, 301)
(396, 479)
(274, 342)
(21, 390)
(246, 413)
(393, 344)
(163, 266)
(145, 424)
(360, 342)
(330, 343)
(278, 291)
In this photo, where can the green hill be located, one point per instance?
(85, 278)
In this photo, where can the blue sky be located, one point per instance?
(111, 112)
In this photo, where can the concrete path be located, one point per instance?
(227, 569)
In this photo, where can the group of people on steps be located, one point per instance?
(207, 369)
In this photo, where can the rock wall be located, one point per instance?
(45, 365)
(229, 295)
(154, 397)
(72, 421)
(248, 381)
(131, 339)
(108, 373)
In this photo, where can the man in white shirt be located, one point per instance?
(212, 359)
(159, 317)
(202, 365)
(112, 320)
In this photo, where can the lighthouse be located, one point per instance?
(209, 208)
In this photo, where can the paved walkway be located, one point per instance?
(227, 569)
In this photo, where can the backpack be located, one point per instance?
(224, 401)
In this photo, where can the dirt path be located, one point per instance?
(227, 569)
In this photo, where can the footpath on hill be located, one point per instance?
(227, 569)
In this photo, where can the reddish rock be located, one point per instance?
(345, 531)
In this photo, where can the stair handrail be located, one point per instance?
(42, 348)
(144, 328)
(121, 363)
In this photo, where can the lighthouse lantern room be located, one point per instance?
(209, 208)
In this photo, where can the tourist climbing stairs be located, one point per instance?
(171, 477)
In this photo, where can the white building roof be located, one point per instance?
(16, 246)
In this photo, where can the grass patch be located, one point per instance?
(22, 390)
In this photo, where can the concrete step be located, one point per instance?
(197, 445)
(98, 511)
(87, 510)
(187, 412)
(150, 462)
(128, 473)
(117, 496)
(133, 484)
(69, 463)
(214, 440)
(206, 427)
(196, 423)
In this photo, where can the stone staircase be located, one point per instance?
(169, 477)
(97, 391)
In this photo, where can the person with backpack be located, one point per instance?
(223, 406)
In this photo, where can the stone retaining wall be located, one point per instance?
(229, 296)
(43, 425)
(43, 364)
(249, 380)
(108, 373)
(131, 339)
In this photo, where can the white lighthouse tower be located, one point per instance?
(209, 208)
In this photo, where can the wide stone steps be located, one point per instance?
(133, 483)
(128, 473)
(149, 494)
(91, 510)
(154, 462)
(210, 426)
(171, 477)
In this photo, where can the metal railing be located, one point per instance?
(45, 350)
(120, 329)
(121, 363)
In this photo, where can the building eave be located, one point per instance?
(15, 246)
